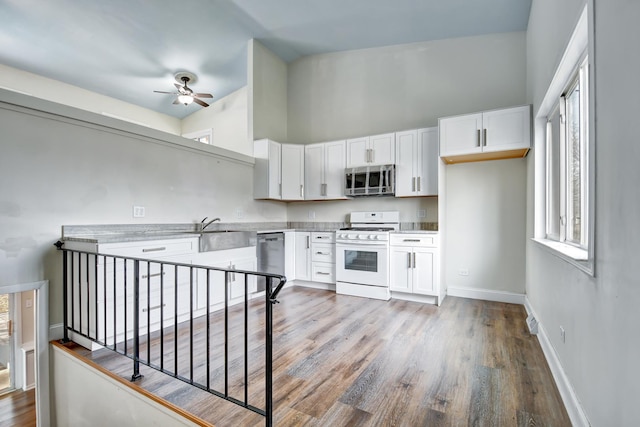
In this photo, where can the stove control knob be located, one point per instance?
(373, 237)
(362, 236)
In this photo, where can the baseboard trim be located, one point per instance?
(569, 397)
(487, 295)
(56, 332)
(314, 285)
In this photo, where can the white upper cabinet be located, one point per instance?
(371, 150)
(417, 162)
(266, 171)
(324, 170)
(292, 172)
(278, 172)
(490, 135)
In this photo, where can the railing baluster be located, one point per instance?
(148, 312)
(246, 339)
(162, 316)
(88, 297)
(125, 306)
(191, 325)
(104, 295)
(175, 321)
(136, 321)
(115, 307)
(268, 354)
(226, 333)
(208, 331)
(95, 295)
(65, 294)
(79, 293)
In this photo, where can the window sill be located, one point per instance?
(571, 254)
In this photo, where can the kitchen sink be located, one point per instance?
(217, 240)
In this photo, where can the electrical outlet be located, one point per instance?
(138, 212)
(422, 213)
(239, 213)
(28, 303)
(562, 334)
(463, 272)
(312, 214)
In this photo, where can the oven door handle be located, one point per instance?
(352, 245)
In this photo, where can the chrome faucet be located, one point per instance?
(203, 225)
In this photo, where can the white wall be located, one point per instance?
(486, 205)
(267, 81)
(600, 314)
(364, 92)
(56, 171)
(63, 93)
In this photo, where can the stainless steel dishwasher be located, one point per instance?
(270, 256)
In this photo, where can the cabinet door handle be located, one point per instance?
(479, 143)
(160, 248)
(301, 190)
(418, 183)
(323, 253)
(484, 137)
(308, 243)
(408, 259)
(145, 276)
(323, 191)
(411, 240)
(280, 189)
(413, 184)
(320, 273)
(414, 260)
(373, 156)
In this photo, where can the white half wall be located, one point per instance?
(84, 396)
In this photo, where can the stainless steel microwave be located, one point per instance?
(377, 180)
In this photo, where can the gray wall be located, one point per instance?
(600, 314)
(57, 171)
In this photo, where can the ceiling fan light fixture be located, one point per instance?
(185, 99)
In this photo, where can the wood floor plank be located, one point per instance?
(348, 361)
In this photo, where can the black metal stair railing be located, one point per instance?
(156, 313)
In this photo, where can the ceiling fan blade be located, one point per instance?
(179, 87)
(197, 101)
(203, 95)
(161, 91)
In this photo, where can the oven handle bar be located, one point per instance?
(356, 244)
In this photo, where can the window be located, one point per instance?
(564, 164)
(567, 181)
(204, 136)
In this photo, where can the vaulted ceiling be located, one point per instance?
(126, 49)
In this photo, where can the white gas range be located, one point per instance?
(362, 254)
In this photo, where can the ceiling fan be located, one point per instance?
(185, 95)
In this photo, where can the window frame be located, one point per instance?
(579, 55)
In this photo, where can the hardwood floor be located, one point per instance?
(18, 408)
(348, 361)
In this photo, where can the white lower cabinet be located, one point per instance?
(303, 255)
(323, 257)
(110, 299)
(415, 264)
(315, 256)
(230, 259)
